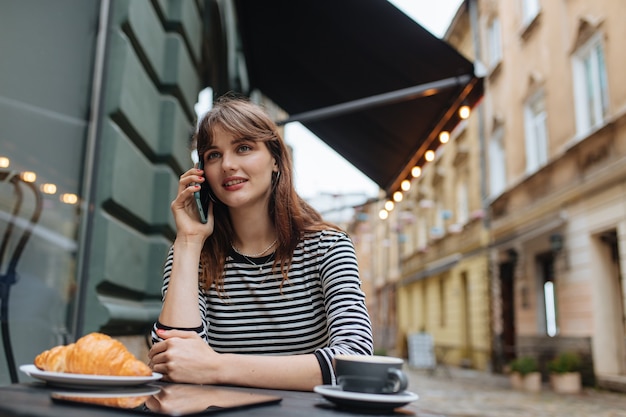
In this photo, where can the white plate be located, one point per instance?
(86, 381)
(335, 394)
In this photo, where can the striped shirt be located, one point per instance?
(320, 309)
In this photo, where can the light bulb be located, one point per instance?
(69, 198)
(464, 112)
(48, 188)
(29, 176)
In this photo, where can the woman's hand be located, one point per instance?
(185, 209)
(183, 356)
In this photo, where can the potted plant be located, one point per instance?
(525, 374)
(565, 373)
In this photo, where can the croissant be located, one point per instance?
(93, 354)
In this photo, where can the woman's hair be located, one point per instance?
(290, 214)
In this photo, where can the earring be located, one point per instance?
(275, 178)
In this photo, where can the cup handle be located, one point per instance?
(397, 381)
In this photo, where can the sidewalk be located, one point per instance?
(470, 393)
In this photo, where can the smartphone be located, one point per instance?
(202, 196)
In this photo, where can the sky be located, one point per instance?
(344, 184)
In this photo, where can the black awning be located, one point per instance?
(388, 85)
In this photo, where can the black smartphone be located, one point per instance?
(202, 196)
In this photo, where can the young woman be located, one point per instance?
(265, 293)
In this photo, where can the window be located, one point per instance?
(462, 203)
(590, 86)
(442, 301)
(530, 10)
(536, 131)
(438, 230)
(497, 163)
(494, 43)
(422, 233)
(548, 300)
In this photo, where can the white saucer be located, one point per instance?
(335, 394)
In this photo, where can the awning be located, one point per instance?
(361, 75)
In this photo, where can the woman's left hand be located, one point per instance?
(183, 356)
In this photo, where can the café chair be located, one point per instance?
(8, 274)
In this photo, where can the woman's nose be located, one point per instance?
(228, 161)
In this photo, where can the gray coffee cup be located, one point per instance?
(370, 374)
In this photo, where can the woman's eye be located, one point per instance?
(212, 155)
(245, 148)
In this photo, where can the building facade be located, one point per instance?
(554, 109)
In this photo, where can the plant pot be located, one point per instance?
(566, 383)
(532, 382)
(516, 381)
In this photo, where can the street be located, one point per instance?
(469, 393)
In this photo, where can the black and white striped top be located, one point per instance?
(320, 309)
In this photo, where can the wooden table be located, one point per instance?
(33, 399)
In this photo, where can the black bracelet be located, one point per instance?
(162, 326)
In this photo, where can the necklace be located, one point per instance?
(256, 255)
(251, 262)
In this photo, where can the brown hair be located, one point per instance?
(289, 213)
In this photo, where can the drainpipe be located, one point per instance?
(472, 6)
(90, 166)
(479, 67)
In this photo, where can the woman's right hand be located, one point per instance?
(184, 207)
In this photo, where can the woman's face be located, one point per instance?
(238, 170)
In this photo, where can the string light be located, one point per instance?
(464, 111)
(48, 188)
(429, 155)
(416, 171)
(444, 137)
(383, 214)
(4, 162)
(69, 198)
(389, 205)
(405, 185)
(398, 196)
(29, 176)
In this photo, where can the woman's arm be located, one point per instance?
(349, 324)
(183, 356)
(180, 290)
(180, 303)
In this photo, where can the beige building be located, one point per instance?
(554, 107)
